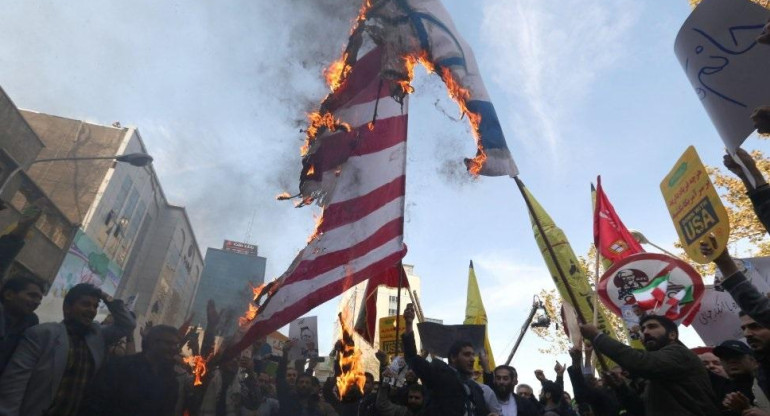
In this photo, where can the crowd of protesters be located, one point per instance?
(78, 367)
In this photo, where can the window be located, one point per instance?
(392, 312)
(393, 300)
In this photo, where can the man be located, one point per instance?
(225, 394)
(678, 383)
(758, 338)
(300, 398)
(505, 380)
(525, 391)
(601, 399)
(12, 243)
(291, 376)
(712, 363)
(740, 365)
(414, 402)
(450, 387)
(19, 297)
(267, 405)
(140, 384)
(54, 362)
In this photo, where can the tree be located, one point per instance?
(748, 238)
(554, 334)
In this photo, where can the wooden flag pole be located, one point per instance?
(552, 253)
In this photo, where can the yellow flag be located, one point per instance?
(566, 260)
(475, 314)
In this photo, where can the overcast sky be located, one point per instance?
(219, 91)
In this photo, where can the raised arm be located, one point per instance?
(419, 365)
(123, 324)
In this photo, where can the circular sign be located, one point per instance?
(637, 271)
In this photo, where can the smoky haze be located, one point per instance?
(218, 90)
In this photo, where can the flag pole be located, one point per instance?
(596, 285)
(555, 260)
(398, 303)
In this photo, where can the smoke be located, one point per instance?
(218, 91)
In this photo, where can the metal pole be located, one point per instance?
(523, 331)
(552, 253)
(398, 304)
(54, 159)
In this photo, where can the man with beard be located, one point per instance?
(415, 397)
(450, 387)
(54, 362)
(19, 297)
(141, 384)
(678, 383)
(504, 382)
(758, 338)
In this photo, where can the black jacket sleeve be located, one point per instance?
(748, 298)
(760, 198)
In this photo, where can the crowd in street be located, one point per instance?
(78, 367)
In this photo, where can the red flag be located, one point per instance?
(611, 238)
(366, 322)
(358, 175)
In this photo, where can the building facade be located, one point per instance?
(49, 240)
(228, 277)
(130, 241)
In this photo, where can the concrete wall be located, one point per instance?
(72, 185)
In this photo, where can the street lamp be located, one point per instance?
(134, 159)
(641, 239)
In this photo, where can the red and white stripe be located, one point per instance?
(361, 230)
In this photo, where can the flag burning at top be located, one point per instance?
(410, 32)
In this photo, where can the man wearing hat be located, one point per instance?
(741, 366)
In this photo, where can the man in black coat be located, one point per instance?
(451, 389)
(504, 381)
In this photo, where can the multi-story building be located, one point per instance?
(387, 305)
(131, 241)
(49, 240)
(228, 278)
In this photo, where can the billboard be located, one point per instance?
(85, 262)
(240, 248)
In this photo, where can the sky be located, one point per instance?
(219, 93)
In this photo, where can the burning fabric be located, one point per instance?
(350, 373)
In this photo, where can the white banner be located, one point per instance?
(717, 320)
(728, 69)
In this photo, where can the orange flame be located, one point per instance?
(336, 73)
(311, 170)
(319, 219)
(461, 96)
(198, 364)
(251, 313)
(352, 368)
(317, 121)
(283, 196)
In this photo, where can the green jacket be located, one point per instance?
(678, 384)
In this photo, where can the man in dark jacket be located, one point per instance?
(141, 384)
(504, 381)
(678, 383)
(451, 389)
(19, 297)
(602, 401)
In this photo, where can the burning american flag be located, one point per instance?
(361, 169)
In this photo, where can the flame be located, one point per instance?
(319, 219)
(311, 170)
(352, 368)
(251, 313)
(283, 196)
(336, 73)
(461, 96)
(410, 61)
(317, 121)
(198, 364)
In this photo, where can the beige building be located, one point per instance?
(130, 241)
(48, 241)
